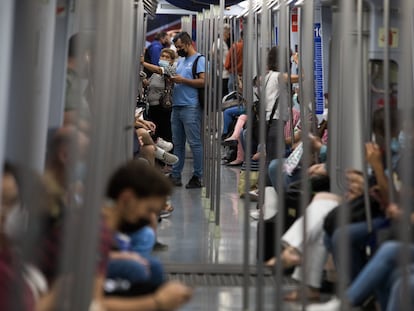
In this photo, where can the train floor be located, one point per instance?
(193, 240)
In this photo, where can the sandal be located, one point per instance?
(235, 163)
(295, 296)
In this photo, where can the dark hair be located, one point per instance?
(81, 40)
(56, 138)
(9, 169)
(73, 45)
(143, 179)
(273, 59)
(160, 35)
(241, 34)
(184, 37)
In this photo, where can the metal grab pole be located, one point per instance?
(213, 117)
(211, 120)
(6, 37)
(387, 108)
(262, 51)
(219, 115)
(406, 94)
(206, 128)
(346, 82)
(248, 91)
(359, 83)
(306, 66)
(32, 60)
(279, 221)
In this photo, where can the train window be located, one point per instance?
(376, 70)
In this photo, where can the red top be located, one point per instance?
(239, 58)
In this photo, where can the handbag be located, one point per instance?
(166, 96)
(256, 116)
(232, 100)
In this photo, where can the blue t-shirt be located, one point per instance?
(185, 95)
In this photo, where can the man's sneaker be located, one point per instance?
(194, 182)
(158, 247)
(166, 157)
(165, 145)
(175, 181)
(165, 214)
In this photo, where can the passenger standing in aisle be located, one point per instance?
(187, 113)
(216, 51)
(153, 51)
(234, 64)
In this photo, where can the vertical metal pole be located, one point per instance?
(387, 108)
(405, 94)
(32, 72)
(213, 116)
(306, 66)
(88, 226)
(206, 128)
(359, 84)
(219, 114)
(57, 90)
(262, 69)
(346, 82)
(211, 120)
(6, 35)
(247, 88)
(279, 221)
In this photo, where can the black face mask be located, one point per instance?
(182, 53)
(128, 227)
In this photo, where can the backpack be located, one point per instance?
(201, 91)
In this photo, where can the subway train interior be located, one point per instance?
(206, 155)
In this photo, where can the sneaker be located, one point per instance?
(160, 247)
(194, 182)
(165, 214)
(175, 181)
(165, 145)
(332, 305)
(255, 214)
(166, 157)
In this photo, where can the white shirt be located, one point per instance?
(226, 74)
(272, 91)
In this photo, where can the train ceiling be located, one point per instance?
(199, 5)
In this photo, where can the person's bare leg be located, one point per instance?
(237, 128)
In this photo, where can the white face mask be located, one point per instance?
(15, 224)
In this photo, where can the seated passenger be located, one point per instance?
(11, 223)
(316, 212)
(377, 276)
(133, 200)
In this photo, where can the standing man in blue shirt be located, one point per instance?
(153, 52)
(187, 113)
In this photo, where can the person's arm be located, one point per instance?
(196, 83)
(296, 138)
(151, 67)
(373, 154)
(293, 78)
(170, 296)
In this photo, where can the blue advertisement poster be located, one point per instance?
(318, 69)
